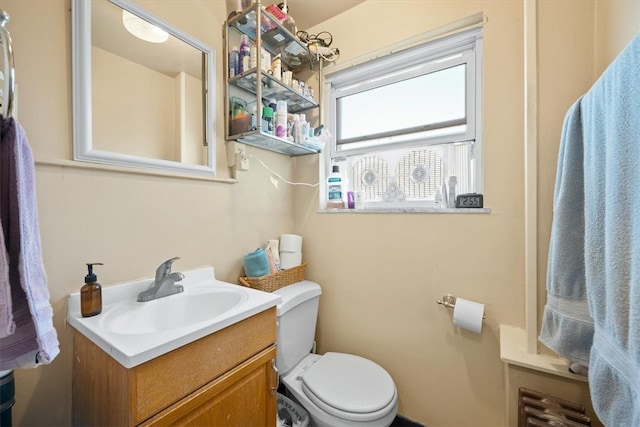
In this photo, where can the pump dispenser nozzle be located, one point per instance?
(91, 293)
(90, 278)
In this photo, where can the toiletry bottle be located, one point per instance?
(254, 119)
(267, 120)
(451, 199)
(281, 119)
(274, 117)
(234, 62)
(359, 202)
(91, 294)
(293, 131)
(245, 54)
(334, 189)
(254, 56)
(445, 195)
(289, 23)
(276, 67)
(265, 60)
(437, 201)
(303, 129)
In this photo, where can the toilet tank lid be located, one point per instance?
(296, 294)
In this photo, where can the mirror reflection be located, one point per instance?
(142, 101)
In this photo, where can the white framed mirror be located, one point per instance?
(138, 103)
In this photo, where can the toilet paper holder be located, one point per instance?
(449, 301)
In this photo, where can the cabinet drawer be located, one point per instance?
(224, 401)
(163, 381)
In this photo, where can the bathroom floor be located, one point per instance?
(403, 422)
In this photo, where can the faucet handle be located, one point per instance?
(164, 269)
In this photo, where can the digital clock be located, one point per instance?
(470, 200)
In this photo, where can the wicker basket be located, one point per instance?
(277, 280)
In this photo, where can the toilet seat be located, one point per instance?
(349, 387)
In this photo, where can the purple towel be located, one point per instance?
(34, 339)
(7, 325)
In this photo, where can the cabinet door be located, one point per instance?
(245, 396)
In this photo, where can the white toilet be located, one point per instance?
(336, 389)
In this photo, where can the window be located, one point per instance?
(406, 122)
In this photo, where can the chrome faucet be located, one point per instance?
(164, 284)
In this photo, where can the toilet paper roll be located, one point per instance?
(468, 315)
(290, 243)
(290, 259)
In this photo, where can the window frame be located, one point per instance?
(461, 47)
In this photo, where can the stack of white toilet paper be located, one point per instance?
(290, 251)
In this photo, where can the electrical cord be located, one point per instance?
(280, 177)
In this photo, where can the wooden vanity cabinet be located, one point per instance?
(224, 379)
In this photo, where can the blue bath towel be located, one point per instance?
(611, 126)
(567, 326)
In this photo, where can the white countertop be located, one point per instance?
(134, 349)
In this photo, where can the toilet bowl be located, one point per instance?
(336, 389)
(343, 390)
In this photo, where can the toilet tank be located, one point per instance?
(297, 315)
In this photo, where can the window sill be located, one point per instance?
(513, 352)
(405, 210)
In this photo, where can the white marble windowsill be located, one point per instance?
(408, 210)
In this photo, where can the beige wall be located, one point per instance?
(617, 21)
(134, 108)
(387, 313)
(381, 274)
(142, 112)
(130, 222)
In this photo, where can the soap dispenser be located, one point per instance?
(91, 293)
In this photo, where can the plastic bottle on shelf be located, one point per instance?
(254, 56)
(254, 119)
(295, 126)
(289, 23)
(281, 119)
(334, 189)
(437, 200)
(267, 120)
(265, 60)
(276, 67)
(304, 128)
(274, 115)
(245, 54)
(451, 199)
(234, 62)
